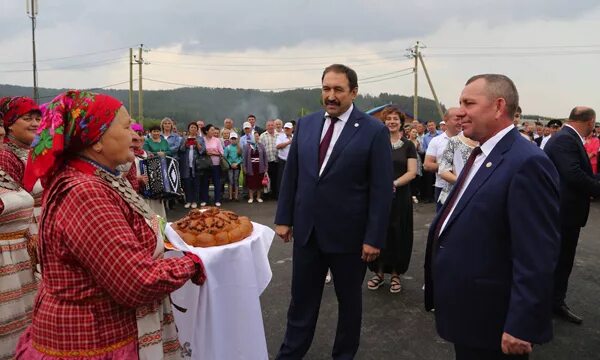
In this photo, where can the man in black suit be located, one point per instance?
(577, 185)
(255, 128)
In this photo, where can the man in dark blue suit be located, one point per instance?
(492, 249)
(577, 185)
(335, 198)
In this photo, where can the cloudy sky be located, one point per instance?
(550, 48)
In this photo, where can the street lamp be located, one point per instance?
(32, 11)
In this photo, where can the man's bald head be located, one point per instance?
(583, 119)
(582, 113)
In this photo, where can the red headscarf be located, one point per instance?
(13, 107)
(71, 122)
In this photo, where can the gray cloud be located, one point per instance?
(234, 25)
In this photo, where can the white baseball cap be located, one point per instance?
(233, 135)
(247, 125)
(288, 125)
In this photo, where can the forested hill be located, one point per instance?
(214, 104)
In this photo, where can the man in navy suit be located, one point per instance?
(335, 199)
(577, 185)
(492, 249)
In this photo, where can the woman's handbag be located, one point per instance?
(266, 183)
(224, 164)
(202, 162)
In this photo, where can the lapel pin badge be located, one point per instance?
(355, 124)
(488, 165)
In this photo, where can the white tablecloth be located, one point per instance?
(223, 320)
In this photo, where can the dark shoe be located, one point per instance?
(564, 312)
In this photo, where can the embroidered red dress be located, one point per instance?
(98, 268)
(18, 284)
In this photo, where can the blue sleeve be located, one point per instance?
(565, 155)
(535, 245)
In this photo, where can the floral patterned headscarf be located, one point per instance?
(13, 107)
(72, 121)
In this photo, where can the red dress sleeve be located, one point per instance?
(115, 245)
(132, 177)
(14, 167)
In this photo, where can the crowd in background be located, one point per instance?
(227, 162)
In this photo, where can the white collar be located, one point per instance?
(345, 116)
(489, 145)
(577, 132)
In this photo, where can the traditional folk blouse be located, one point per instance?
(98, 267)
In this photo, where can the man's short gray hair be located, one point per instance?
(500, 86)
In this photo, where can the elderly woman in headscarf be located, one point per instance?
(18, 284)
(105, 286)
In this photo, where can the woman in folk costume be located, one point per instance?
(137, 179)
(17, 281)
(105, 285)
(21, 116)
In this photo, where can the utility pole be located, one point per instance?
(415, 54)
(140, 61)
(32, 11)
(131, 82)
(437, 102)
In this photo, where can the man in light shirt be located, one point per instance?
(284, 140)
(436, 149)
(488, 267)
(278, 126)
(553, 126)
(269, 139)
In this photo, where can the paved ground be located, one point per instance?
(395, 326)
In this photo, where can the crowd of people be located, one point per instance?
(346, 184)
(237, 164)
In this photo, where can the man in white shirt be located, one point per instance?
(269, 140)
(554, 125)
(283, 142)
(488, 270)
(278, 126)
(436, 148)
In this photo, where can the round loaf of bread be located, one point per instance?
(212, 226)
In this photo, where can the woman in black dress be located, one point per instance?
(395, 257)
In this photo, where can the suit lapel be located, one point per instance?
(314, 139)
(350, 129)
(483, 173)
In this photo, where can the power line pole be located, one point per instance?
(131, 82)
(415, 54)
(437, 102)
(140, 61)
(32, 11)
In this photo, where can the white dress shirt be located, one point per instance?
(436, 148)
(544, 141)
(282, 153)
(486, 149)
(337, 130)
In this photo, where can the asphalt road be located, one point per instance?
(395, 326)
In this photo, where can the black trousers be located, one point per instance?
(273, 174)
(469, 353)
(280, 168)
(308, 278)
(569, 237)
(427, 186)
